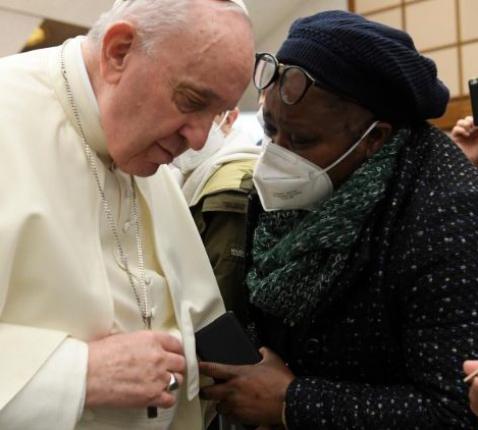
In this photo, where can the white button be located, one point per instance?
(148, 281)
(126, 226)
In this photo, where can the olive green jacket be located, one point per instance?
(220, 217)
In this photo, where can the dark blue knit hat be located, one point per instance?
(375, 65)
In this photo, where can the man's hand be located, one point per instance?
(465, 135)
(469, 367)
(133, 370)
(250, 394)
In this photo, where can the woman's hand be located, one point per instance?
(252, 394)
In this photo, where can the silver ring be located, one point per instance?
(173, 383)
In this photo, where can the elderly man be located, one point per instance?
(364, 278)
(103, 277)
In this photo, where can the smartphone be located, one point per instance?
(473, 86)
(225, 341)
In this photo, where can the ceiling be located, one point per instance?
(267, 15)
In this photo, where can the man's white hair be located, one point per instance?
(153, 18)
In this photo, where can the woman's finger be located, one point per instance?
(219, 371)
(217, 392)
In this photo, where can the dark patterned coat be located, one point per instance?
(385, 349)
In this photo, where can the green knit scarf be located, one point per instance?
(297, 255)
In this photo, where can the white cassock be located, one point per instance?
(61, 280)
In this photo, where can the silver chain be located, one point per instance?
(143, 302)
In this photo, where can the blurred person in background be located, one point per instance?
(216, 182)
(465, 135)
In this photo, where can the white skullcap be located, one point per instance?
(241, 4)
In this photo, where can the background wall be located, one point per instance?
(19, 18)
(444, 30)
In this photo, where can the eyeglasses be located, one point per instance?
(294, 81)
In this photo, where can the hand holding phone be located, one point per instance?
(224, 341)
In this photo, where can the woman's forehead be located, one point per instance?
(319, 113)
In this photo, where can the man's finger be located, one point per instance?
(175, 362)
(166, 400)
(169, 343)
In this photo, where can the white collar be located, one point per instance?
(84, 96)
(84, 73)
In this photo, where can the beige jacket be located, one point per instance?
(53, 282)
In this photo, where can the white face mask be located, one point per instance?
(285, 180)
(260, 117)
(191, 159)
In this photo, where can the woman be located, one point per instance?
(364, 280)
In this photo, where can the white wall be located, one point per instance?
(308, 7)
(14, 30)
(18, 18)
(78, 12)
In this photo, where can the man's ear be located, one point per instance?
(377, 137)
(116, 47)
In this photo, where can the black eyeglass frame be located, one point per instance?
(281, 71)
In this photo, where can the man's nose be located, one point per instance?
(198, 132)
